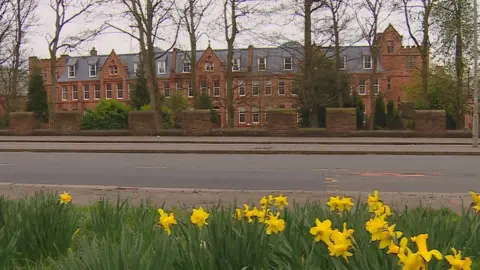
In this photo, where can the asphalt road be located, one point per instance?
(455, 174)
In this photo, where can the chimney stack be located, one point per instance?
(93, 52)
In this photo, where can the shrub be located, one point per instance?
(109, 114)
(380, 118)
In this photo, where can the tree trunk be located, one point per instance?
(459, 68)
(52, 102)
(425, 58)
(373, 79)
(308, 96)
(230, 107)
(193, 72)
(338, 59)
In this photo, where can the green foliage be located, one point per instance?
(205, 103)
(168, 120)
(140, 95)
(394, 120)
(37, 96)
(305, 122)
(380, 117)
(108, 114)
(177, 101)
(355, 101)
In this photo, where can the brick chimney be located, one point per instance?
(250, 58)
(93, 52)
(174, 60)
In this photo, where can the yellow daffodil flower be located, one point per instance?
(376, 225)
(166, 220)
(264, 202)
(341, 244)
(383, 210)
(274, 224)
(421, 241)
(238, 214)
(322, 231)
(345, 204)
(347, 232)
(261, 214)
(249, 214)
(456, 261)
(475, 197)
(281, 201)
(333, 202)
(65, 198)
(199, 217)
(386, 236)
(394, 249)
(411, 261)
(477, 208)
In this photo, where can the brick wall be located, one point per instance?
(21, 123)
(143, 123)
(282, 122)
(196, 122)
(341, 121)
(66, 122)
(430, 121)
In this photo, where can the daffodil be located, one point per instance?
(394, 249)
(386, 236)
(238, 214)
(475, 197)
(249, 214)
(374, 202)
(166, 220)
(274, 224)
(333, 202)
(341, 243)
(261, 214)
(281, 201)
(322, 231)
(376, 225)
(345, 204)
(65, 198)
(456, 261)
(264, 202)
(199, 217)
(383, 210)
(411, 261)
(421, 241)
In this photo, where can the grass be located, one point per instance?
(39, 233)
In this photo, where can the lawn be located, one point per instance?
(48, 231)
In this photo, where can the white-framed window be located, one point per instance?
(287, 63)
(411, 62)
(166, 89)
(119, 90)
(209, 66)
(390, 46)
(71, 71)
(86, 92)
(74, 92)
(255, 116)
(130, 87)
(97, 91)
(113, 70)
(343, 63)
(262, 63)
(135, 68)
(179, 85)
(242, 116)
(362, 87)
(190, 89)
(161, 69)
(281, 87)
(376, 87)
(216, 88)
(108, 91)
(268, 88)
(64, 93)
(255, 88)
(294, 89)
(203, 86)
(236, 64)
(186, 67)
(92, 71)
(241, 88)
(367, 62)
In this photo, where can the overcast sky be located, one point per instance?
(260, 30)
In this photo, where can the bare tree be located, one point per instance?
(191, 16)
(421, 9)
(67, 12)
(150, 20)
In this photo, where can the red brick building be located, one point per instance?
(263, 77)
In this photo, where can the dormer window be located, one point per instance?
(92, 70)
(161, 67)
(343, 63)
(287, 63)
(208, 66)
(186, 67)
(390, 46)
(236, 64)
(262, 63)
(71, 71)
(367, 62)
(113, 70)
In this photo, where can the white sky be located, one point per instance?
(261, 28)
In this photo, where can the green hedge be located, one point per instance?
(109, 114)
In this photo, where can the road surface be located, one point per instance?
(455, 174)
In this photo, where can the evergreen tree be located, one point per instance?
(140, 95)
(37, 96)
(380, 117)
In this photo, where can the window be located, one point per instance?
(241, 88)
(135, 68)
(86, 92)
(216, 88)
(97, 91)
(362, 89)
(255, 116)
(268, 88)
(262, 63)
(179, 85)
(255, 88)
(161, 67)
(113, 70)
(411, 62)
(190, 89)
(203, 87)
(208, 66)
(92, 70)
(242, 117)
(64, 93)
(119, 90)
(108, 90)
(389, 86)
(376, 87)
(390, 46)
(71, 71)
(367, 62)
(343, 64)
(236, 64)
(130, 87)
(281, 87)
(186, 67)
(166, 88)
(287, 63)
(294, 88)
(74, 92)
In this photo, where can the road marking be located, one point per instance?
(330, 180)
(4, 164)
(376, 174)
(150, 167)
